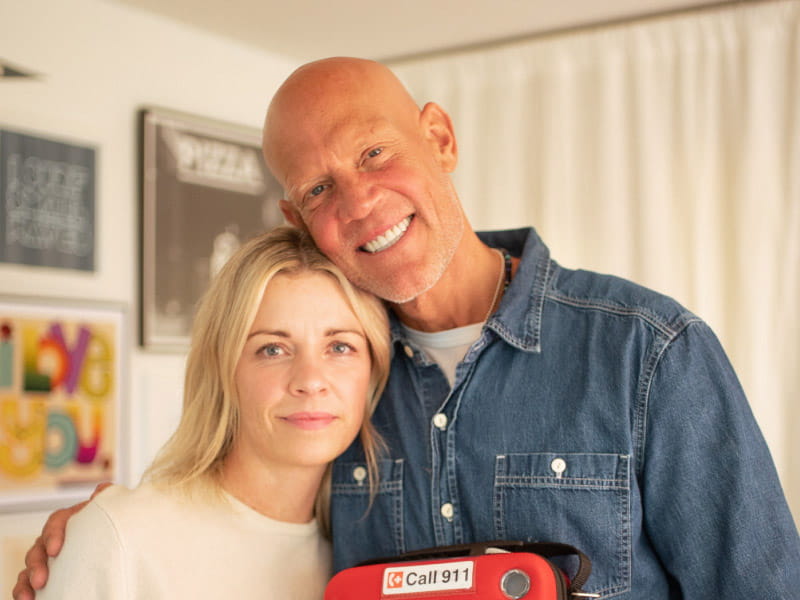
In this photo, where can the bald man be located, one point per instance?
(526, 401)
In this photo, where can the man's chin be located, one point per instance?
(400, 284)
(399, 290)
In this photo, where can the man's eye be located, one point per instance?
(374, 152)
(316, 190)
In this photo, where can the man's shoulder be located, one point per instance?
(585, 289)
(590, 290)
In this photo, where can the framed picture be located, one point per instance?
(205, 190)
(47, 202)
(61, 385)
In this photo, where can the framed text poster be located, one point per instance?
(205, 190)
(47, 208)
(61, 371)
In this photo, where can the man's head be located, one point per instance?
(366, 172)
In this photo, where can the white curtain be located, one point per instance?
(664, 150)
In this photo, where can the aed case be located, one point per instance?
(487, 571)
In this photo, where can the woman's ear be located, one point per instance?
(438, 128)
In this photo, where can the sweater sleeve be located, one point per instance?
(90, 565)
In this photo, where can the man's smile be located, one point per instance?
(388, 238)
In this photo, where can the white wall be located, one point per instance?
(100, 62)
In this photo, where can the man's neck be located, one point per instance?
(463, 294)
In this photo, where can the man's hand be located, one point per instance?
(34, 576)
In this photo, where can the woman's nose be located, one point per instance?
(308, 376)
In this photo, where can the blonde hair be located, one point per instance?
(209, 422)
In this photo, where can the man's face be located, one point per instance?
(370, 181)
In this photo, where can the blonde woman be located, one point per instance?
(287, 362)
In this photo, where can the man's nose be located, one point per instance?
(357, 197)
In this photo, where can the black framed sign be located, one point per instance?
(47, 216)
(205, 190)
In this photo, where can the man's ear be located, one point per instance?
(291, 214)
(438, 128)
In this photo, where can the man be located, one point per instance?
(526, 401)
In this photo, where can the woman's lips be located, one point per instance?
(310, 420)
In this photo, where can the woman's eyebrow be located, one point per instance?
(274, 332)
(335, 332)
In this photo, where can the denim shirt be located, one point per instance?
(591, 411)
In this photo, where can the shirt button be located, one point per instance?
(440, 420)
(409, 351)
(359, 474)
(447, 511)
(559, 465)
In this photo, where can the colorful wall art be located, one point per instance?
(60, 384)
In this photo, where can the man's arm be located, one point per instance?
(34, 575)
(713, 505)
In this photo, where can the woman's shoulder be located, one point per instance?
(129, 509)
(119, 498)
(152, 509)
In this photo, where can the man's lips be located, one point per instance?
(310, 420)
(388, 238)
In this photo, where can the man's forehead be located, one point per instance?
(341, 141)
(305, 132)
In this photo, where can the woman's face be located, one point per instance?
(303, 376)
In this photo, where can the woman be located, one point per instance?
(287, 362)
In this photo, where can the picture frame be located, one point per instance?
(62, 382)
(47, 201)
(205, 190)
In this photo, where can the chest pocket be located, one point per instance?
(581, 499)
(363, 529)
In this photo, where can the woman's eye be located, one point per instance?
(271, 350)
(341, 348)
(374, 152)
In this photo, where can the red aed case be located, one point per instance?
(486, 571)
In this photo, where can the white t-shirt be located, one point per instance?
(447, 347)
(146, 544)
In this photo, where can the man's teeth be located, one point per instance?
(388, 238)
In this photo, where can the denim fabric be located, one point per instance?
(593, 412)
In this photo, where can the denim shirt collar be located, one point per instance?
(518, 319)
